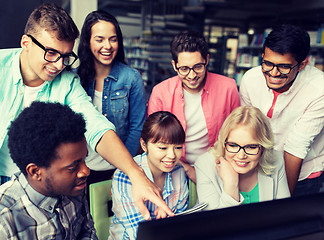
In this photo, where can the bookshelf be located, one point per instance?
(149, 52)
(248, 54)
(136, 56)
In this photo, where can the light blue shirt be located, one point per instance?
(65, 89)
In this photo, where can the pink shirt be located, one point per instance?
(219, 98)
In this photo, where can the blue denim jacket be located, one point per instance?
(124, 103)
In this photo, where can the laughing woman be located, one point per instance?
(115, 88)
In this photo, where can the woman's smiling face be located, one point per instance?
(104, 42)
(242, 162)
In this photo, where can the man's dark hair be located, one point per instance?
(39, 130)
(53, 19)
(291, 39)
(189, 41)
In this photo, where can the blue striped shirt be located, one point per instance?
(127, 216)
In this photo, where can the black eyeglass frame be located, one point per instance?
(277, 66)
(54, 50)
(243, 147)
(184, 75)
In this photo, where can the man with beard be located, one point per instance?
(201, 100)
(46, 199)
(291, 94)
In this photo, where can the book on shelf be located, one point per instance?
(243, 40)
(313, 37)
(320, 36)
(259, 38)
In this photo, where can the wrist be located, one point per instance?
(135, 173)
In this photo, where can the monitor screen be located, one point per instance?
(297, 218)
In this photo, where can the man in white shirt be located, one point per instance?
(291, 94)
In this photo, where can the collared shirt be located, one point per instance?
(251, 196)
(27, 214)
(65, 89)
(127, 216)
(123, 103)
(298, 114)
(218, 99)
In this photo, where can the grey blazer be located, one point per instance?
(210, 185)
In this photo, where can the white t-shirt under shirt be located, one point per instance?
(97, 100)
(94, 161)
(197, 141)
(30, 94)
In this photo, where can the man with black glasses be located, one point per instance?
(201, 100)
(37, 72)
(291, 94)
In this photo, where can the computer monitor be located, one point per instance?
(300, 218)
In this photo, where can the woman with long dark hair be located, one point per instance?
(116, 89)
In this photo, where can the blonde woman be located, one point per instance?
(242, 166)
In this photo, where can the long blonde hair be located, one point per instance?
(258, 122)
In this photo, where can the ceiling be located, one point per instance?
(235, 13)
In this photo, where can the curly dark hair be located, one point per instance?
(86, 69)
(38, 131)
(188, 41)
(53, 19)
(291, 39)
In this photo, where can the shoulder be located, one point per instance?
(120, 176)
(7, 54)
(10, 193)
(313, 71)
(68, 75)
(216, 80)
(123, 68)
(178, 169)
(169, 83)
(253, 77)
(66, 78)
(65, 82)
(206, 161)
(9, 60)
(178, 174)
(219, 77)
(178, 177)
(255, 71)
(253, 74)
(312, 77)
(124, 75)
(167, 87)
